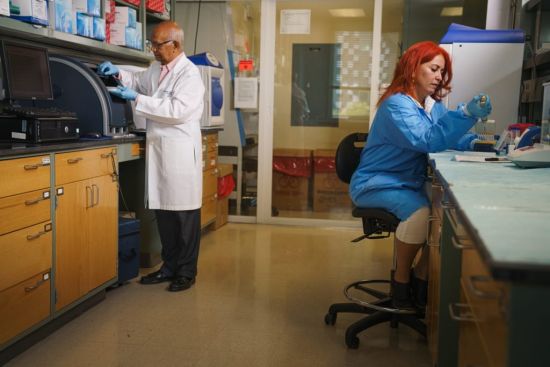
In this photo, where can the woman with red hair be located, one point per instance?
(410, 122)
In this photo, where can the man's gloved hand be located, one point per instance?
(124, 93)
(479, 107)
(107, 68)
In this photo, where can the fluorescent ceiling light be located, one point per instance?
(347, 13)
(452, 11)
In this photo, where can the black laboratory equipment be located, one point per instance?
(76, 86)
(26, 83)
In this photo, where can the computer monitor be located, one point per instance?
(26, 71)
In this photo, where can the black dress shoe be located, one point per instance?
(154, 278)
(181, 283)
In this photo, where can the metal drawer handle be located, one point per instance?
(30, 167)
(459, 316)
(95, 199)
(458, 244)
(74, 160)
(33, 287)
(447, 204)
(32, 202)
(473, 279)
(31, 237)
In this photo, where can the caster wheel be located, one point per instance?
(330, 318)
(352, 342)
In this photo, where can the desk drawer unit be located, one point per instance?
(24, 174)
(33, 245)
(76, 166)
(209, 182)
(209, 178)
(24, 305)
(24, 210)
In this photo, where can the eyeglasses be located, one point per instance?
(156, 46)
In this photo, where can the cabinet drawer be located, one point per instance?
(208, 210)
(209, 182)
(488, 300)
(210, 160)
(24, 174)
(83, 164)
(24, 210)
(24, 305)
(470, 345)
(30, 250)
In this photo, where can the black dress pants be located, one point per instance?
(180, 235)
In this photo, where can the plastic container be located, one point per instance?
(128, 249)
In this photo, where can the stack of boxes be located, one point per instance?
(126, 30)
(31, 11)
(110, 9)
(82, 17)
(88, 19)
(329, 193)
(291, 179)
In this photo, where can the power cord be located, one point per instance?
(197, 29)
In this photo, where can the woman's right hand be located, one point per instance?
(479, 107)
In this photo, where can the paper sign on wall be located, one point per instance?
(246, 93)
(295, 21)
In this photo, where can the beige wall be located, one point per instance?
(323, 30)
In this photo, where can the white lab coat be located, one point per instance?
(173, 146)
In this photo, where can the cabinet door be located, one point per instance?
(73, 203)
(102, 223)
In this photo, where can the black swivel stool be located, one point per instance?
(377, 223)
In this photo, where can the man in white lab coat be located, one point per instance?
(169, 94)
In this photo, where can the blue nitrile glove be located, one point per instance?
(107, 68)
(477, 108)
(124, 93)
(466, 142)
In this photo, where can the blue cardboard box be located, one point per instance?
(128, 249)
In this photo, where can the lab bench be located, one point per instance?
(59, 208)
(489, 278)
(58, 231)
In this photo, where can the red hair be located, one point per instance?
(417, 54)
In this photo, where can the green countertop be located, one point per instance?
(507, 210)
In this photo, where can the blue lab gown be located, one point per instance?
(392, 170)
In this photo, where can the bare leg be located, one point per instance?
(404, 254)
(421, 267)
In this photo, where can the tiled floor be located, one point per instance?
(260, 300)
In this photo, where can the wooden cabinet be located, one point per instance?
(86, 222)
(24, 305)
(486, 302)
(210, 177)
(25, 244)
(434, 234)
(467, 315)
